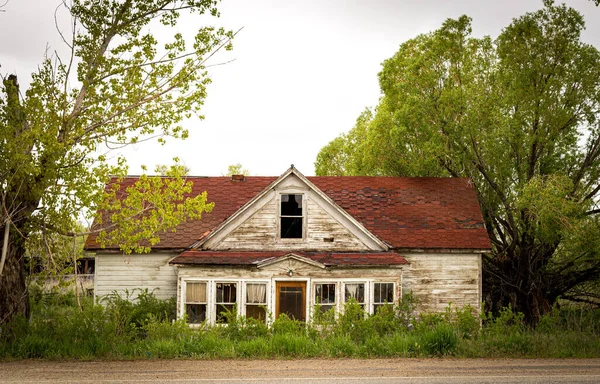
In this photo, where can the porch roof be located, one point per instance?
(328, 259)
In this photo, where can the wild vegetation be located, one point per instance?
(520, 116)
(117, 85)
(147, 329)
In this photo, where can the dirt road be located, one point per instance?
(301, 371)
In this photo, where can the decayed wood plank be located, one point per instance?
(439, 279)
(259, 232)
(117, 273)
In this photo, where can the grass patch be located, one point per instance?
(146, 329)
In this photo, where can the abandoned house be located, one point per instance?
(285, 244)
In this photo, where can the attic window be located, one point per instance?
(291, 217)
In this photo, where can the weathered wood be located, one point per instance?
(437, 280)
(259, 232)
(120, 273)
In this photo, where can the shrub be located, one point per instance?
(468, 324)
(507, 322)
(130, 315)
(441, 340)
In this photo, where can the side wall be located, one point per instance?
(117, 272)
(439, 279)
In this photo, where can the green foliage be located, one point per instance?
(120, 86)
(237, 169)
(507, 322)
(151, 206)
(440, 341)
(132, 316)
(517, 115)
(58, 329)
(467, 323)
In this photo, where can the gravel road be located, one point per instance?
(314, 371)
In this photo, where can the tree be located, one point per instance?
(236, 169)
(119, 86)
(163, 170)
(520, 116)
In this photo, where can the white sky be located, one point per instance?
(303, 71)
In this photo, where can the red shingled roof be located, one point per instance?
(194, 257)
(423, 213)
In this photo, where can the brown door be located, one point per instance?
(291, 299)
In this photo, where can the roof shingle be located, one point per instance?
(406, 213)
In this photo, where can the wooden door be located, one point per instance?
(290, 298)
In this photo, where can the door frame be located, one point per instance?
(292, 283)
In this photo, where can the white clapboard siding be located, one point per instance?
(439, 279)
(259, 232)
(133, 272)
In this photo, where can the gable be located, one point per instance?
(291, 263)
(325, 226)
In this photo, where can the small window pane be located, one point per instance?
(196, 313)
(256, 312)
(355, 291)
(325, 296)
(256, 293)
(226, 292)
(225, 312)
(291, 205)
(291, 227)
(383, 295)
(195, 293)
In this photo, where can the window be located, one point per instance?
(383, 293)
(256, 301)
(356, 292)
(226, 294)
(325, 296)
(195, 302)
(291, 217)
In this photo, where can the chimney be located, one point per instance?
(238, 178)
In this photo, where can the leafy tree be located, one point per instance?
(236, 169)
(520, 116)
(163, 170)
(119, 86)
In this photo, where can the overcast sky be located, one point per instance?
(303, 71)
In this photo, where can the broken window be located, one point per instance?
(256, 301)
(291, 217)
(195, 302)
(383, 293)
(325, 296)
(356, 292)
(226, 294)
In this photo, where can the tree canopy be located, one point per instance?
(119, 86)
(237, 169)
(520, 116)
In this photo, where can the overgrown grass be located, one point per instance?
(146, 329)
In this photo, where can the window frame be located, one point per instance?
(373, 303)
(215, 304)
(335, 304)
(365, 303)
(184, 302)
(244, 301)
(303, 216)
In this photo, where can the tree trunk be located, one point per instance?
(14, 297)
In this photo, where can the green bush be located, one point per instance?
(145, 328)
(441, 340)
